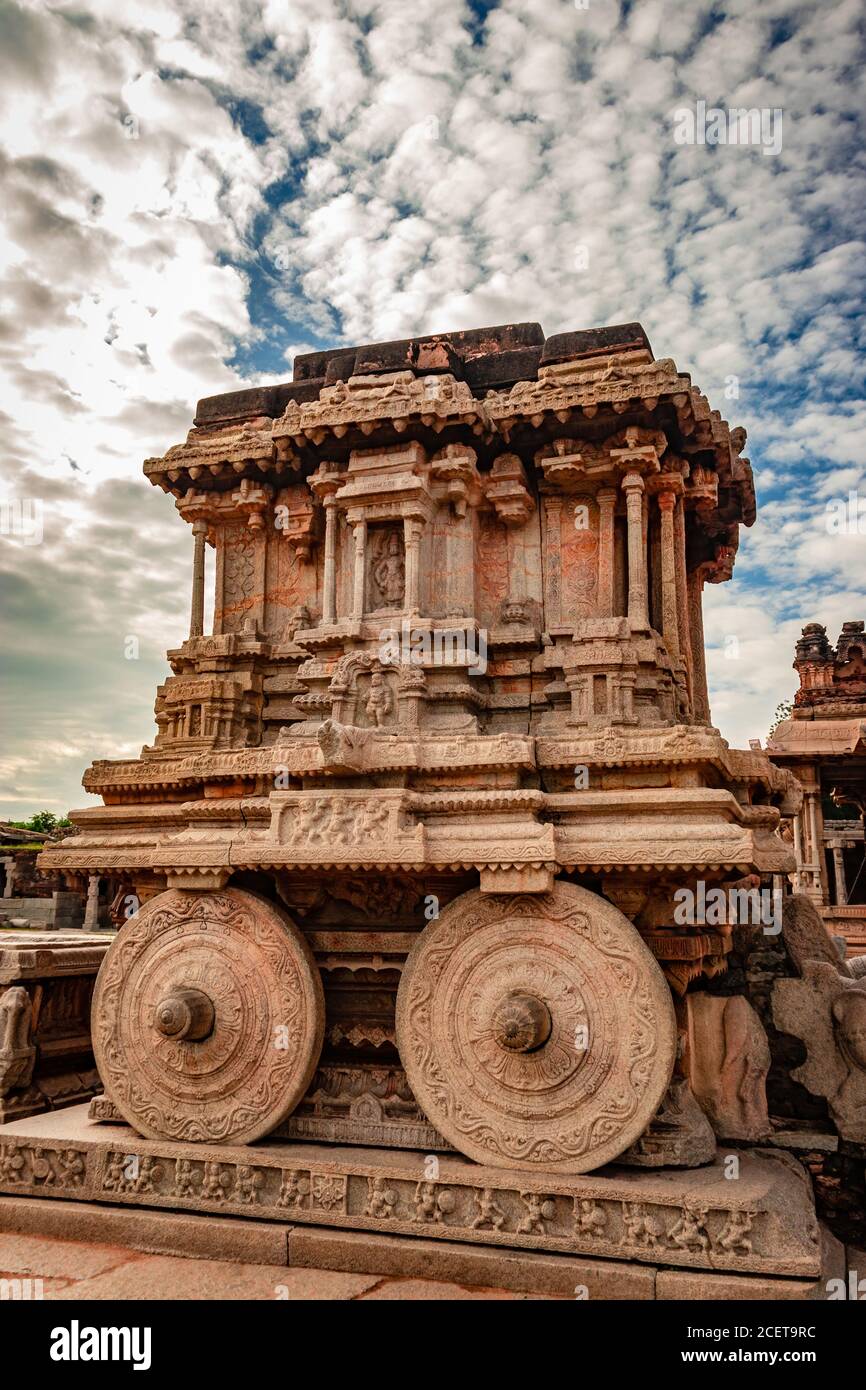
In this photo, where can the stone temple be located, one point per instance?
(454, 916)
(824, 744)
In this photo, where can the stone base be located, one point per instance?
(758, 1225)
(316, 1248)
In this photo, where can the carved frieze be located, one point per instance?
(763, 1223)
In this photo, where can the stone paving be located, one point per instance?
(82, 1270)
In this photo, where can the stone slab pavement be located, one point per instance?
(83, 1270)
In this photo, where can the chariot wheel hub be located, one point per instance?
(521, 1022)
(185, 1014)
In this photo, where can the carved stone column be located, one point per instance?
(633, 487)
(700, 693)
(627, 683)
(412, 531)
(798, 849)
(91, 910)
(552, 562)
(670, 625)
(606, 499)
(682, 596)
(196, 620)
(9, 866)
(329, 594)
(839, 869)
(359, 537)
(817, 846)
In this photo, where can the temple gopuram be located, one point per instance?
(455, 917)
(824, 744)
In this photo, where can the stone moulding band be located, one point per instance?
(762, 1224)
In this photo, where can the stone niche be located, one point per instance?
(385, 586)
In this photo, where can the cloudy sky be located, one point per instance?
(194, 191)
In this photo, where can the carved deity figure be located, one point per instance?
(380, 700)
(389, 572)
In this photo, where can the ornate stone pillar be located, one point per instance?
(670, 626)
(798, 849)
(9, 866)
(633, 487)
(839, 869)
(359, 537)
(91, 910)
(700, 693)
(627, 682)
(682, 596)
(329, 591)
(552, 562)
(606, 499)
(412, 531)
(196, 620)
(817, 845)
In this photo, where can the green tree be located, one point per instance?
(783, 711)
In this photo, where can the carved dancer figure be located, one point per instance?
(733, 1236)
(71, 1164)
(489, 1213)
(185, 1178)
(689, 1233)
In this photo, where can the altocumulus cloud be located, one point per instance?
(193, 193)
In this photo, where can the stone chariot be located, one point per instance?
(405, 849)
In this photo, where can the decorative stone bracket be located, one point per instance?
(507, 492)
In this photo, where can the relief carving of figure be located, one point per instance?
(489, 1211)
(16, 1055)
(389, 572)
(380, 701)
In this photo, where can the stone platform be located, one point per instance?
(399, 1212)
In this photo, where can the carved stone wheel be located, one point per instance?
(208, 1017)
(537, 1031)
